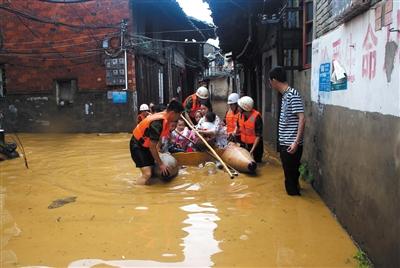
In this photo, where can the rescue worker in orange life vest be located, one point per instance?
(232, 116)
(145, 137)
(193, 102)
(250, 128)
(144, 111)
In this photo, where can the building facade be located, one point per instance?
(85, 66)
(54, 66)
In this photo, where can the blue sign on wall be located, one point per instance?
(325, 77)
(119, 96)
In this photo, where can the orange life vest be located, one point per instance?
(248, 128)
(195, 104)
(140, 129)
(231, 119)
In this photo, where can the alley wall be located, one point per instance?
(353, 129)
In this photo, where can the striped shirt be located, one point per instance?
(288, 119)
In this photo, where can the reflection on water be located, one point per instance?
(198, 246)
(196, 220)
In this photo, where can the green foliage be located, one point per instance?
(305, 173)
(362, 259)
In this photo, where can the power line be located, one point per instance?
(49, 21)
(166, 40)
(60, 41)
(60, 46)
(51, 56)
(19, 65)
(178, 31)
(50, 53)
(65, 1)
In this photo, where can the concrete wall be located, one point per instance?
(220, 88)
(93, 111)
(352, 140)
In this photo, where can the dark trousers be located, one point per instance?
(291, 164)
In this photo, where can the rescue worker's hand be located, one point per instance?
(164, 170)
(293, 148)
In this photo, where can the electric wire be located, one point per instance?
(65, 1)
(49, 21)
(59, 41)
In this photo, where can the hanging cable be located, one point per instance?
(57, 23)
(59, 41)
(65, 1)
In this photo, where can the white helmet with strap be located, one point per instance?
(233, 98)
(202, 93)
(144, 107)
(246, 103)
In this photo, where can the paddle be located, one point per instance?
(208, 146)
(234, 171)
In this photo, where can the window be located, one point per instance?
(308, 15)
(65, 91)
(2, 83)
(292, 18)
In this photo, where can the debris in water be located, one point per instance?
(61, 202)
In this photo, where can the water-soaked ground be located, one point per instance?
(77, 206)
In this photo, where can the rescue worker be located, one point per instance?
(232, 116)
(144, 111)
(145, 137)
(250, 128)
(193, 102)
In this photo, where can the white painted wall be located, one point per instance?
(361, 51)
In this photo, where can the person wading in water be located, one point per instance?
(145, 137)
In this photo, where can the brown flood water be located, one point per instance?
(197, 220)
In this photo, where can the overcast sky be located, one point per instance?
(199, 10)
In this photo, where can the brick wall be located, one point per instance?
(323, 20)
(35, 54)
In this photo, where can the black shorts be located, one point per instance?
(140, 155)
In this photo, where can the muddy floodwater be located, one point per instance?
(77, 206)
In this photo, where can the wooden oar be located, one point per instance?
(234, 171)
(208, 146)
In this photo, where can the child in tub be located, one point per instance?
(181, 137)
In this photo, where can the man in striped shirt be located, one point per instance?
(291, 129)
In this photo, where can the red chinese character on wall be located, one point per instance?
(369, 56)
(336, 49)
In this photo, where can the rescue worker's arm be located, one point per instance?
(188, 108)
(300, 131)
(154, 133)
(258, 131)
(154, 152)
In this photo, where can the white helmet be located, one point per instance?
(233, 98)
(144, 107)
(202, 93)
(246, 103)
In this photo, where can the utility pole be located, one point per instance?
(124, 26)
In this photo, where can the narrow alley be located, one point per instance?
(200, 133)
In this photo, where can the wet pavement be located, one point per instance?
(78, 206)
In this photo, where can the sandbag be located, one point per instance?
(172, 164)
